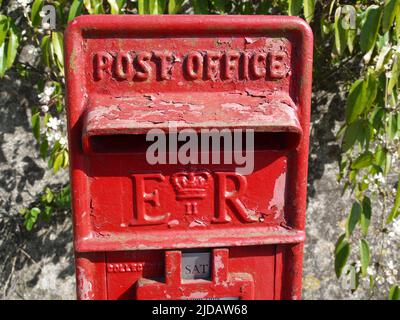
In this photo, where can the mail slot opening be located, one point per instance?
(135, 143)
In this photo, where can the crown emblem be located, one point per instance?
(190, 185)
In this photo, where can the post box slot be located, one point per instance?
(120, 125)
(117, 143)
(135, 143)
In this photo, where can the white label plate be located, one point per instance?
(196, 265)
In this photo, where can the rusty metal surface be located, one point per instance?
(129, 74)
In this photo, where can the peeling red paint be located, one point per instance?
(262, 111)
(85, 287)
(278, 200)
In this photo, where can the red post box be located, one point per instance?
(167, 228)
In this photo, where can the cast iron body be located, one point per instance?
(134, 222)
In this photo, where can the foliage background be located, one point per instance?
(353, 191)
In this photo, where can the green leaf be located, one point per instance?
(4, 26)
(219, 5)
(394, 293)
(31, 218)
(66, 159)
(398, 123)
(366, 134)
(44, 147)
(174, 6)
(263, 7)
(353, 176)
(341, 131)
(354, 278)
(371, 282)
(363, 161)
(75, 9)
(144, 6)
(48, 211)
(352, 135)
(369, 30)
(246, 8)
(200, 6)
(13, 43)
(365, 215)
(351, 36)
(58, 162)
(46, 118)
(157, 6)
(383, 40)
(392, 126)
(331, 6)
(326, 27)
(58, 49)
(356, 101)
(94, 6)
(29, 224)
(397, 28)
(49, 195)
(389, 13)
(88, 6)
(116, 5)
(376, 118)
(57, 42)
(46, 50)
(295, 7)
(394, 213)
(365, 256)
(59, 106)
(353, 218)
(348, 22)
(383, 57)
(35, 121)
(99, 7)
(37, 6)
(380, 156)
(371, 89)
(309, 7)
(388, 164)
(395, 73)
(35, 212)
(342, 252)
(3, 59)
(340, 33)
